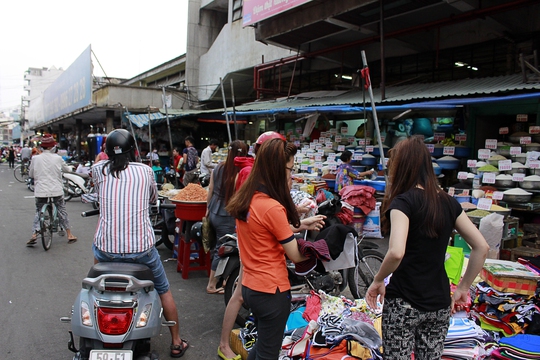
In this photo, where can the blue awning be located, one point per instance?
(141, 120)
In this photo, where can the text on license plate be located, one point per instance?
(111, 355)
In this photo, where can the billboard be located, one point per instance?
(258, 10)
(71, 91)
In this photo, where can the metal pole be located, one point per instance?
(375, 119)
(149, 136)
(169, 129)
(133, 133)
(234, 112)
(225, 107)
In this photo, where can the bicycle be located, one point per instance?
(21, 172)
(369, 263)
(48, 223)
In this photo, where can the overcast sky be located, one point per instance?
(127, 37)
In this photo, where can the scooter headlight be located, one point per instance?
(86, 317)
(145, 315)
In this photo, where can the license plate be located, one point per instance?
(111, 355)
(221, 266)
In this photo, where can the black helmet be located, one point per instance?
(196, 231)
(118, 142)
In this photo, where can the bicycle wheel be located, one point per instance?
(368, 266)
(20, 173)
(46, 227)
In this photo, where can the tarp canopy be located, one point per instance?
(141, 120)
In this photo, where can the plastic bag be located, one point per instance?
(208, 235)
(491, 228)
(372, 225)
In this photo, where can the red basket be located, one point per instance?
(190, 211)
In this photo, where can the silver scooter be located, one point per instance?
(116, 313)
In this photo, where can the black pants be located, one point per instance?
(11, 163)
(271, 312)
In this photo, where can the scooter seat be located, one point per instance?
(139, 271)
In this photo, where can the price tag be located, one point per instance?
(438, 136)
(525, 140)
(310, 155)
(312, 145)
(461, 137)
(488, 178)
(518, 177)
(299, 130)
(322, 140)
(505, 165)
(497, 195)
(315, 141)
(361, 142)
(484, 204)
(333, 131)
(318, 147)
(331, 162)
(350, 139)
(383, 138)
(369, 149)
(332, 167)
(465, 192)
(534, 130)
(471, 163)
(430, 148)
(318, 165)
(462, 175)
(515, 150)
(451, 191)
(483, 153)
(344, 130)
(357, 157)
(338, 139)
(304, 167)
(318, 157)
(522, 117)
(341, 148)
(534, 164)
(504, 130)
(289, 132)
(491, 143)
(320, 151)
(449, 150)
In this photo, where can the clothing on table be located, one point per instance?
(124, 225)
(206, 161)
(420, 278)
(360, 196)
(344, 176)
(222, 222)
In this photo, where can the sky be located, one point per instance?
(127, 37)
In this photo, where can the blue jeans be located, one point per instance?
(149, 258)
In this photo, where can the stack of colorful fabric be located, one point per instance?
(465, 340)
(519, 347)
(360, 196)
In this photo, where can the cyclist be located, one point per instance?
(124, 231)
(26, 154)
(46, 169)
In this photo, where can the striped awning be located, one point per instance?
(141, 120)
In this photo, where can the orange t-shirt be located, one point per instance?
(260, 239)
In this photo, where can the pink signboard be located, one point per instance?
(258, 10)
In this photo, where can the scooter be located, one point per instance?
(116, 313)
(76, 185)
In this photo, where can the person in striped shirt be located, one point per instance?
(124, 232)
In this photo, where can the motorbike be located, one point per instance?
(116, 313)
(76, 185)
(30, 184)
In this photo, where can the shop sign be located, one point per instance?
(471, 163)
(524, 140)
(484, 204)
(518, 177)
(438, 136)
(504, 130)
(497, 195)
(505, 165)
(430, 148)
(484, 153)
(534, 130)
(522, 117)
(461, 137)
(462, 175)
(341, 148)
(488, 178)
(369, 149)
(449, 150)
(515, 150)
(491, 143)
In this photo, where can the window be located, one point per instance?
(237, 10)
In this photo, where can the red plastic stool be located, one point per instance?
(185, 261)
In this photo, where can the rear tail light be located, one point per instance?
(224, 250)
(114, 321)
(86, 317)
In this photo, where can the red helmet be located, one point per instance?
(269, 135)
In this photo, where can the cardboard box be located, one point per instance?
(508, 276)
(236, 344)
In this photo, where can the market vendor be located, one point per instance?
(346, 173)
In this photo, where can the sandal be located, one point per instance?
(180, 348)
(72, 240)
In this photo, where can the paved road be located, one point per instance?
(38, 287)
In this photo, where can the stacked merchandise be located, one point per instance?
(520, 347)
(465, 340)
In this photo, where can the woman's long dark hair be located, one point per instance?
(269, 174)
(237, 148)
(409, 166)
(118, 163)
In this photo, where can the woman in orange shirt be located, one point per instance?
(263, 209)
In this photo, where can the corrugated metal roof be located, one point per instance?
(141, 120)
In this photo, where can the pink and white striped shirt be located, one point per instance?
(124, 225)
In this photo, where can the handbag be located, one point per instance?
(208, 235)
